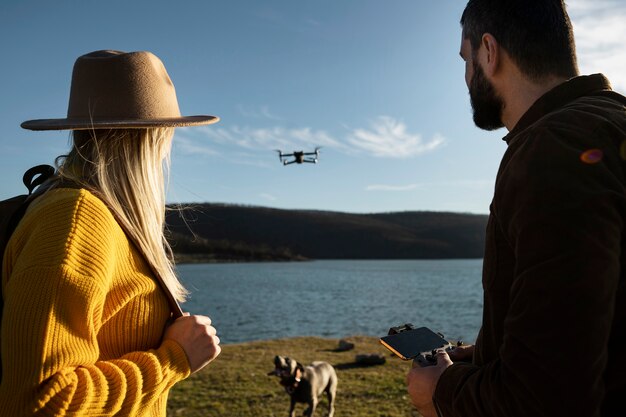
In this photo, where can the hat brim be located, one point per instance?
(86, 124)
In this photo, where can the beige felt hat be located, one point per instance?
(113, 89)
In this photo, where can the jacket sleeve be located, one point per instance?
(563, 217)
(51, 332)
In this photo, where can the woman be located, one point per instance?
(87, 277)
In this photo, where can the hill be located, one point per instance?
(223, 232)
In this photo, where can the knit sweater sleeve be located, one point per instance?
(63, 290)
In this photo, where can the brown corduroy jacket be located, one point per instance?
(553, 336)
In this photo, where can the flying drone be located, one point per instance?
(299, 157)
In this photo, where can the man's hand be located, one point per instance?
(421, 384)
(463, 353)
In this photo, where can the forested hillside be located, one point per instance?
(239, 233)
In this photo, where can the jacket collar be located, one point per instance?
(558, 97)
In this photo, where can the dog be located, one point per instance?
(305, 384)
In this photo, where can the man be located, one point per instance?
(554, 274)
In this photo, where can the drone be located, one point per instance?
(299, 157)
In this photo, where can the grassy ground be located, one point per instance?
(237, 384)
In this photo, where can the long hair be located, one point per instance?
(128, 170)
(537, 34)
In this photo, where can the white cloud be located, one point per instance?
(262, 113)
(467, 184)
(600, 31)
(381, 187)
(187, 143)
(388, 137)
(313, 22)
(268, 197)
(189, 146)
(583, 6)
(271, 138)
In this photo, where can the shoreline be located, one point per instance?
(185, 259)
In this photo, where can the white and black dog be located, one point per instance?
(305, 384)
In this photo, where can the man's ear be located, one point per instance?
(491, 54)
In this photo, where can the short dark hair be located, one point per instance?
(537, 34)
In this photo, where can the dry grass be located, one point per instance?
(237, 384)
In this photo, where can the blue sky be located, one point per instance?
(379, 85)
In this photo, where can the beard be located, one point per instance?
(486, 103)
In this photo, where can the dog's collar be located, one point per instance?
(296, 378)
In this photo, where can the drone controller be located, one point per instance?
(428, 358)
(419, 344)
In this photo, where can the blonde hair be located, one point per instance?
(128, 169)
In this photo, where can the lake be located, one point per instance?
(338, 298)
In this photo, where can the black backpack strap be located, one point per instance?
(14, 208)
(32, 178)
(44, 172)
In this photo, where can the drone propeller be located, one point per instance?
(316, 152)
(283, 155)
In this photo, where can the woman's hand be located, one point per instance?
(197, 338)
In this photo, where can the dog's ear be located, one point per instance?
(292, 364)
(277, 366)
(281, 362)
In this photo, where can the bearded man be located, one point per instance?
(554, 272)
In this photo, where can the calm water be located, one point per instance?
(253, 301)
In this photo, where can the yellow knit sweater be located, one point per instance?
(83, 318)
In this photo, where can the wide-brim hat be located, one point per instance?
(113, 89)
